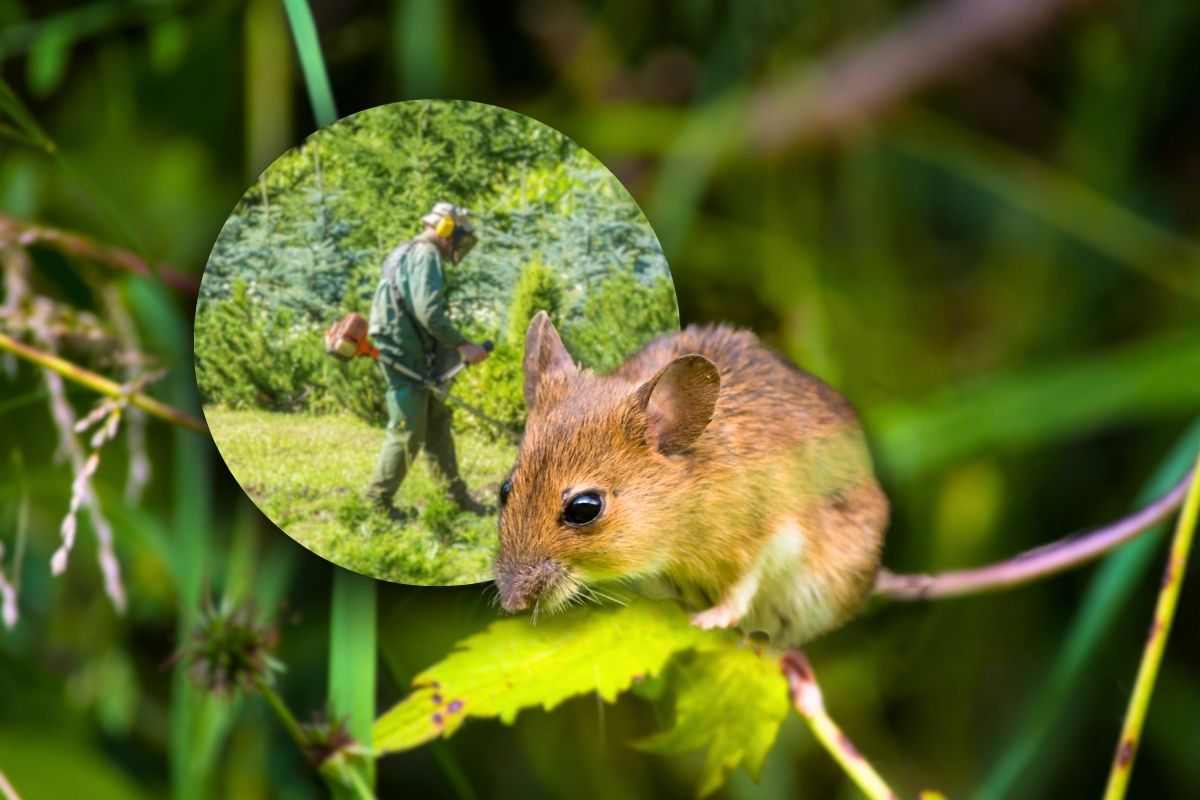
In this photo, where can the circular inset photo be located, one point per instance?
(361, 324)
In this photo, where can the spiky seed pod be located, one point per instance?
(227, 650)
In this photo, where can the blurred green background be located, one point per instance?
(977, 220)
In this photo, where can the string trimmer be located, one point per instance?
(347, 339)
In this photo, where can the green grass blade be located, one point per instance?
(1038, 406)
(1055, 199)
(352, 615)
(352, 652)
(312, 62)
(11, 105)
(1021, 766)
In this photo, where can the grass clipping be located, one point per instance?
(728, 700)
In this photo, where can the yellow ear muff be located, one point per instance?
(445, 227)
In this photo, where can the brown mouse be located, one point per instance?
(705, 467)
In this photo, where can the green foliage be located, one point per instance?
(305, 244)
(538, 289)
(287, 246)
(515, 665)
(495, 387)
(251, 357)
(728, 700)
(623, 314)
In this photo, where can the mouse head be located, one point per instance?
(602, 473)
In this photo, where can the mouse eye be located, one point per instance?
(505, 490)
(583, 508)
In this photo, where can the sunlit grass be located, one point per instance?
(308, 474)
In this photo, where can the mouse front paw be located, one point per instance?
(716, 617)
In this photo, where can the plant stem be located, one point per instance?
(285, 716)
(1032, 564)
(99, 383)
(810, 704)
(345, 778)
(24, 234)
(1156, 643)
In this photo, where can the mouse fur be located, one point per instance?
(730, 479)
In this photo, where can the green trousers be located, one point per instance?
(417, 418)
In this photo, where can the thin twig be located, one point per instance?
(866, 81)
(1156, 643)
(1032, 564)
(24, 234)
(99, 383)
(810, 704)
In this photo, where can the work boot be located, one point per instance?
(462, 497)
(389, 510)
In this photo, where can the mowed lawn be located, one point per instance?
(308, 473)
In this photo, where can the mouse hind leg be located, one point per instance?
(779, 557)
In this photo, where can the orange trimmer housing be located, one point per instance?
(347, 339)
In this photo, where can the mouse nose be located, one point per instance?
(521, 584)
(517, 588)
(512, 596)
(512, 603)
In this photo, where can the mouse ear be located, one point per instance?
(545, 356)
(677, 404)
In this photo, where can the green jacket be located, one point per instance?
(409, 323)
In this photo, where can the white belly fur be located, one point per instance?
(788, 603)
(779, 596)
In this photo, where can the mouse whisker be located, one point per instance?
(491, 593)
(596, 594)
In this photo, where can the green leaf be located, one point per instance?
(513, 665)
(729, 701)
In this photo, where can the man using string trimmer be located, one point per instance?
(418, 349)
